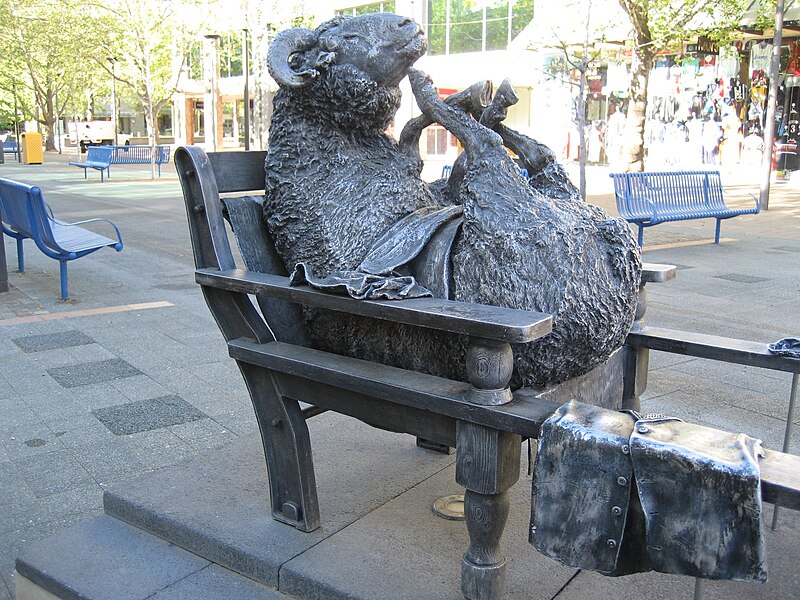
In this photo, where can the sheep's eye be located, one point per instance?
(350, 36)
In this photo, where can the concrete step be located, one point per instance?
(105, 558)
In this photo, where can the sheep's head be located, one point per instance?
(381, 46)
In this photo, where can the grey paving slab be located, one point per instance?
(149, 562)
(217, 504)
(145, 415)
(83, 500)
(53, 341)
(52, 473)
(94, 372)
(19, 506)
(204, 434)
(26, 441)
(215, 583)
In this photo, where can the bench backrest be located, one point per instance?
(10, 144)
(99, 154)
(139, 154)
(23, 210)
(203, 178)
(670, 190)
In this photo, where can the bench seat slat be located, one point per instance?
(77, 239)
(478, 320)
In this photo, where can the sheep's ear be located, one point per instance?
(285, 44)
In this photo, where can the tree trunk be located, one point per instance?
(637, 109)
(643, 58)
(150, 126)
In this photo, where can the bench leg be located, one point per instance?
(287, 449)
(641, 235)
(64, 285)
(716, 233)
(85, 175)
(20, 256)
(3, 268)
(487, 464)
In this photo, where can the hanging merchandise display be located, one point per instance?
(760, 56)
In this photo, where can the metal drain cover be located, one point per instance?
(450, 507)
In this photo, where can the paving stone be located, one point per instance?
(52, 473)
(83, 500)
(53, 341)
(146, 415)
(741, 278)
(23, 442)
(19, 506)
(204, 434)
(94, 372)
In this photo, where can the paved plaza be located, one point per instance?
(131, 375)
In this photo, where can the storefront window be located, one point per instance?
(457, 26)
(439, 141)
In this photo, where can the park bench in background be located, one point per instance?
(9, 147)
(25, 215)
(648, 199)
(97, 158)
(282, 371)
(139, 155)
(102, 157)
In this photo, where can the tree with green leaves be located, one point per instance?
(660, 25)
(144, 46)
(41, 40)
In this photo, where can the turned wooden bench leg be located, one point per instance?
(487, 464)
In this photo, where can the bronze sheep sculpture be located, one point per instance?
(343, 196)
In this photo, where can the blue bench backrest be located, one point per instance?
(23, 209)
(139, 154)
(636, 193)
(98, 154)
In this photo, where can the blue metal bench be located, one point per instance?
(139, 155)
(10, 145)
(25, 215)
(98, 158)
(648, 199)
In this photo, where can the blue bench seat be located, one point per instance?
(97, 158)
(650, 198)
(25, 215)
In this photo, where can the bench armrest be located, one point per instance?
(476, 320)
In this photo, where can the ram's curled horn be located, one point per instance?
(280, 50)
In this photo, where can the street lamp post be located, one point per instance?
(16, 120)
(246, 65)
(114, 117)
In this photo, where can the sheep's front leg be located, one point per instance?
(478, 94)
(478, 140)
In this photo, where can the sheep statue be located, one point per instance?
(343, 197)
